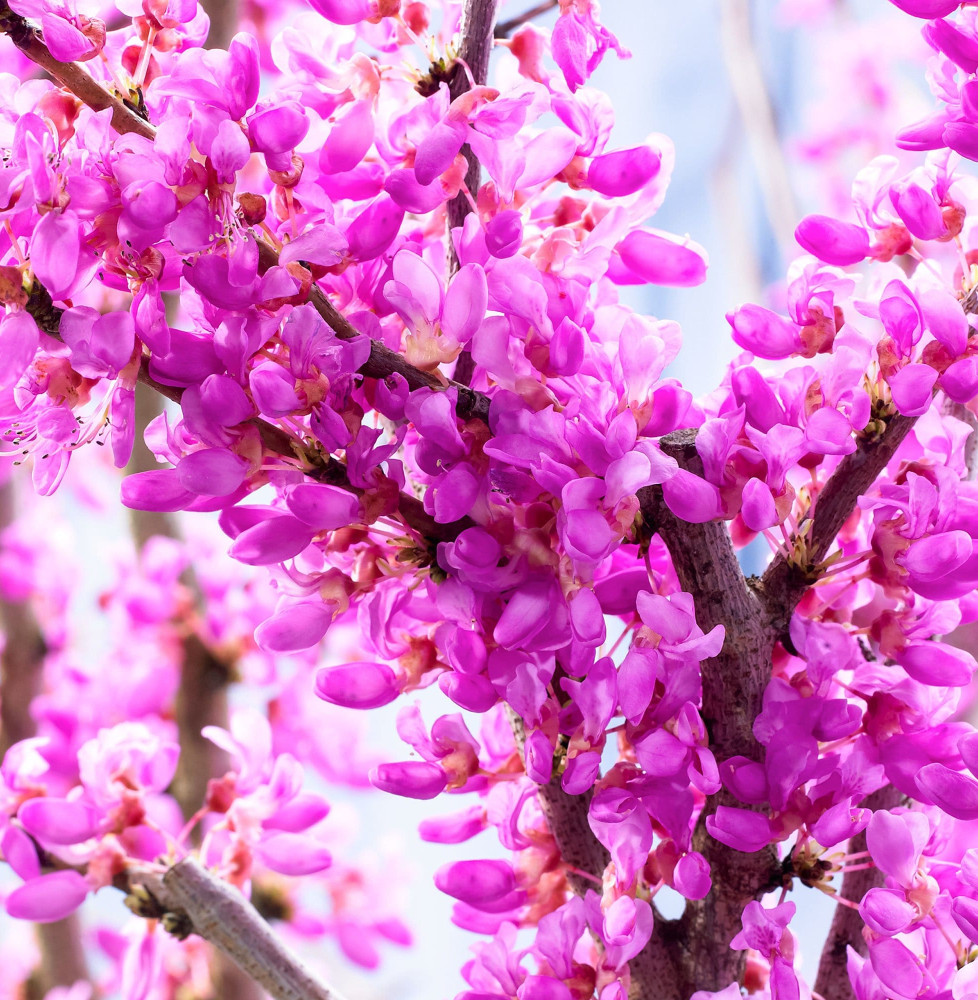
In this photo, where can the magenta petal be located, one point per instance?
(454, 829)
(358, 685)
(691, 498)
(58, 821)
(887, 911)
(56, 252)
(212, 472)
(304, 811)
(955, 793)
(937, 663)
(624, 172)
(64, 40)
(758, 510)
(476, 882)
(324, 507)
(323, 245)
(157, 490)
(412, 779)
(48, 898)
(271, 541)
(465, 303)
(294, 854)
(19, 852)
(835, 242)
(294, 627)
(18, 344)
(740, 829)
(912, 388)
(663, 259)
(927, 9)
(965, 913)
(691, 876)
(897, 967)
(764, 333)
(342, 11)
(960, 380)
(919, 211)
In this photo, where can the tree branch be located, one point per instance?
(505, 28)
(760, 123)
(784, 582)
(733, 690)
(189, 897)
(21, 681)
(832, 981)
(478, 20)
(325, 470)
(382, 362)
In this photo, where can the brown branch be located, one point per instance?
(21, 681)
(224, 15)
(382, 362)
(191, 897)
(785, 582)
(733, 688)
(478, 19)
(505, 28)
(832, 981)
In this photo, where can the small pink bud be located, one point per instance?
(412, 779)
(358, 685)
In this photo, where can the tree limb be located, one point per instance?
(190, 898)
(505, 28)
(733, 689)
(478, 20)
(21, 681)
(784, 582)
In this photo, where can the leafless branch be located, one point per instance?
(21, 681)
(750, 91)
(505, 28)
(189, 895)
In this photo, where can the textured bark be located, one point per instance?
(191, 898)
(846, 931)
(733, 688)
(478, 26)
(784, 583)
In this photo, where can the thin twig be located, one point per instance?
(785, 582)
(505, 28)
(757, 111)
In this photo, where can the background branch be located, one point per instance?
(219, 913)
(760, 123)
(21, 681)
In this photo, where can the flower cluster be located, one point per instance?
(419, 403)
